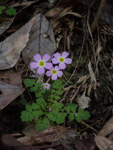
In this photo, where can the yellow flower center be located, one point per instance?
(61, 59)
(41, 63)
(46, 85)
(54, 71)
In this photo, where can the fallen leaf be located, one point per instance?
(103, 143)
(12, 46)
(82, 79)
(83, 101)
(107, 128)
(51, 134)
(92, 75)
(41, 40)
(10, 142)
(10, 89)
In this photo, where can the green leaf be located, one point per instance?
(46, 121)
(82, 115)
(71, 107)
(29, 107)
(61, 118)
(40, 126)
(38, 94)
(37, 113)
(59, 92)
(43, 91)
(51, 116)
(71, 117)
(26, 116)
(1, 9)
(35, 106)
(53, 91)
(56, 97)
(57, 105)
(57, 84)
(40, 100)
(11, 11)
(29, 82)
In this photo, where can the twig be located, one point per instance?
(98, 15)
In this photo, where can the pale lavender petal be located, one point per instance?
(48, 65)
(55, 60)
(54, 77)
(68, 60)
(37, 57)
(40, 70)
(60, 73)
(48, 73)
(33, 65)
(48, 87)
(46, 57)
(57, 68)
(65, 54)
(62, 66)
(43, 84)
(57, 55)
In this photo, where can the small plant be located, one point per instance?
(10, 11)
(47, 108)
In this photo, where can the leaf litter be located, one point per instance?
(89, 77)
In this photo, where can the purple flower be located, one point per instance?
(61, 59)
(46, 86)
(41, 63)
(50, 109)
(54, 73)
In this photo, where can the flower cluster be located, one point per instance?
(41, 63)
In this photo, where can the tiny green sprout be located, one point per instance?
(10, 11)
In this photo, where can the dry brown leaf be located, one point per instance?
(92, 75)
(83, 101)
(55, 21)
(107, 128)
(41, 39)
(53, 12)
(51, 134)
(82, 79)
(12, 46)
(103, 143)
(10, 89)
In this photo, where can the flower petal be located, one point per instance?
(46, 57)
(57, 68)
(57, 55)
(40, 70)
(54, 77)
(60, 73)
(48, 65)
(68, 60)
(65, 54)
(62, 66)
(33, 65)
(37, 57)
(48, 73)
(55, 60)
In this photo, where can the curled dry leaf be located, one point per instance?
(10, 89)
(41, 39)
(12, 46)
(107, 128)
(83, 101)
(51, 134)
(103, 143)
